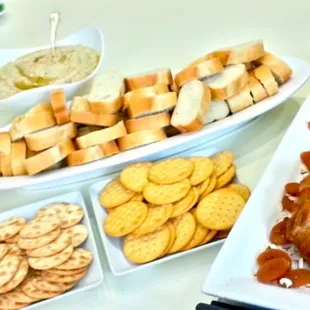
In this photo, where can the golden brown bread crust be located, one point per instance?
(58, 102)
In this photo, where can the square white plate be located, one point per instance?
(231, 276)
(94, 276)
(113, 246)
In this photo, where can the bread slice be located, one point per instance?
(5, 143)
(18, 158)
(49, 157)
(109, 148)
(6, 167)
(102, 136)
(149, 78)
(150, 122)
(152, 105)
(228, 83)
(27, 124)
(240, 101)
(257, 90)
(193, 104)
(280, 70)
(41, 107)
(265, 77)
(106, 93)
(218, 110)
(81, 114)
(46, 138)
(85, 156)
(58, 102)
(200, 69)
(84, 130)
(140, 138)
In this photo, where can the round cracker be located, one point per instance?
(51, 261)
(146, 248)
(11, 227)
(4, 248)
(242, 190)
(170, 171)
(226, 177)
(210, 236)
(114, 194)
(222, 161)
(125, 218)
(222, 234)
(71, 272)
(166, 193)
(185, 226)
(8, 268)
(134, 177)
(136, 197)
(42, 284)
(203, 168)
(211, 186)
(8, 304)
(18, 296)
(199, 236)
(78, 234)
(203, 186)
(80, 258)
(220, 209)
(55, 278)
(14, 249)
(13, 239)
(172, 231)
(34, 243)
(156, 217)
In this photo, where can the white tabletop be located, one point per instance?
(175, 284)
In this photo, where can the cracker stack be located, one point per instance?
(40, 259)
(172, 205)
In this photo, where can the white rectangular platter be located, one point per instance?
(94, 276)
(301, 73)
(231, 276)
(113, 246)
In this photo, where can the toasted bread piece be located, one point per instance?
(85, 156)
(140, 138)
(46, 138)
(240, 101)
(41, 107)
(193, 104)
(18, 158)
(152, 105)
(102, 136)
(200, 69)
(5, 143)
(280, 70)
(218, 110)
(50, 157)
(106, 93)
(150, 122)
(109, 148)
(228, 83)
(58, 102)
(81, 114)
(149, 78)
(257, 90)
(84, 130)
(265, 77)
(6, 167)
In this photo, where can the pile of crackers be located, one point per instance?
(40, 259)
(172, 205)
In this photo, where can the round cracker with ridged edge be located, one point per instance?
(4, 248)
(226, 177)
(146, 248)
(14, 249)
(42, 284)
(66, 272)
(78, 234)
(18, 296)
(170, 171)
(8, 304)
(125, 219)
(220, 209)
(80, 258)
(203, 186)
(136, 197)
(185, 226)
(203, 167)
(222, 161)
(11, 227)
(166, 193)
(210, 187)
(134, 177)
(114, 194)
(241, 189)
(12, 240)
(8, 268)
(56, 278)
(210, 236)
(172, 231)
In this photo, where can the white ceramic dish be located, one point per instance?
(23, 101)
(231, 276)
(113, 246)
(94, 276)
(301, 72)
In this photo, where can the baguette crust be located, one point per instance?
(151, 122)
(266, 78)
(5, 143)
(140, 138)
(240, 101)
(18, 158)
(102, 136)
(152, 105)
(58, 102)
(41, 107)
(88, 155)
(6, 167)
(258, 92)
(109, 148)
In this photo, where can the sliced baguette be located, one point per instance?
(150, 122)
(265, 77)
(218, 110)
(257, 90)
(280, 70)
(27, 124)
(152, 105)
(193, 104)
(85, 156)
(41, 107)
(149, 78)
(18, 158)
(58, 102)
(6, 167)
(140, 138)
(50, 157)
(228, 83)
(47, 138)
(5, 143)
(200, 69)
(106, 93)
(102, 136)
(109, 148)
(240, 101)
(81, 114)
